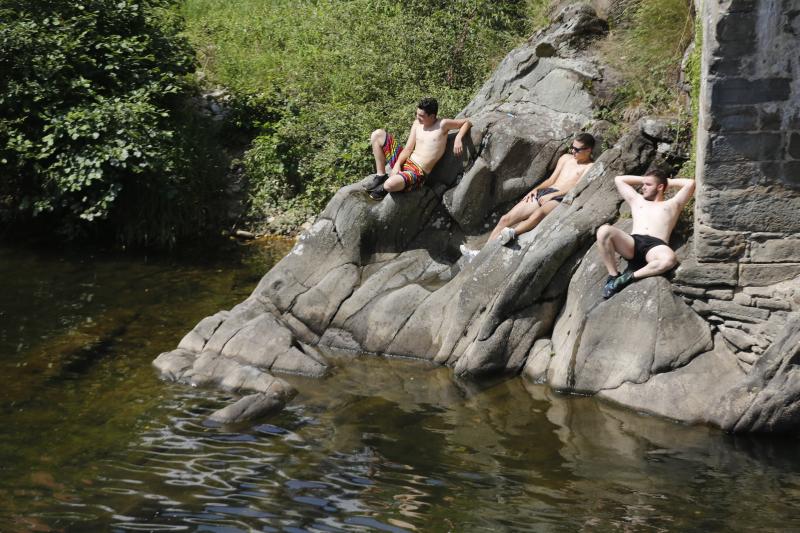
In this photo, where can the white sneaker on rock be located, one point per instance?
(506, 236)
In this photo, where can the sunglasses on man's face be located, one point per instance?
(576, 149)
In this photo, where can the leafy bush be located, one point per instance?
(322, 74)
(89, 140)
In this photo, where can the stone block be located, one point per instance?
(772, 304)
(759, 208)
(767, 274)
(693, 292)
(794, 145)
(742, 6)
(737, 27)
(746, 147)
(738, 338)
(747, 358)
(790, 177)
(771, 119)
(706, 274)
(740, 91)
(718, 245)
(742, 299)
(761, 292)
(775, 251)
(720, 294)
(725, 66)
(793, 122)
(771, 170)
(734, 118)
(730, 310)
(737, 175)
(735, 48)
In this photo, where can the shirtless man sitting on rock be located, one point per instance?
(410, 165)
(545, 197)
(654, 218)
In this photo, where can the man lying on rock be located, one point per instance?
(410, 165)
(546, 196)
(654, 218)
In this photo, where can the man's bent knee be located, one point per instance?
(378, 136)
(603, 232)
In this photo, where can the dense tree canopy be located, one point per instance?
(87, 91)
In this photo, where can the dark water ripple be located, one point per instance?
(90, 440)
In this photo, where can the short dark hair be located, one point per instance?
(586, 139)
(429, 105)
(658, 174)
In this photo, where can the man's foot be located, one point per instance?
(507, 235)
(378, 193)
(467, 253)
(376, 181)
(614, 284)
(608, 286)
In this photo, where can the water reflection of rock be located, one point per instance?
(622, 463)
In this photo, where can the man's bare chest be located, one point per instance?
(571, 173)
(430, 137)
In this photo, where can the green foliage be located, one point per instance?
(693, 76)
(647, 49)
(320, 75)
(89, 142)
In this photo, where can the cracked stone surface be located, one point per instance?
(387, 277)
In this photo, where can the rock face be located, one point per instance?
(387, 278)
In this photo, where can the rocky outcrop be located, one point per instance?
(387, 278)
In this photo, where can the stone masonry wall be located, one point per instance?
(748, 169)
(744, 275)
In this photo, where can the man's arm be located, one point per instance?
(625, 186)
(463, 125)
(407, 150)
(686, 189)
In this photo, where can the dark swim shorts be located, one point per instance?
(641, 245)
(548, 190)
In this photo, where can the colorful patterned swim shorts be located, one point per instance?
(412, 173)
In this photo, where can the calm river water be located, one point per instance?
(92, 440)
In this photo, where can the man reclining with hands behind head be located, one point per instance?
(546, 196)
(646, 248)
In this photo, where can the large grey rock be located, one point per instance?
(255, 405)
(387, 278)
(643, 331)
(690, 393)
(768, 399)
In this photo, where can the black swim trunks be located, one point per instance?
(548, 190)
(641, 245)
